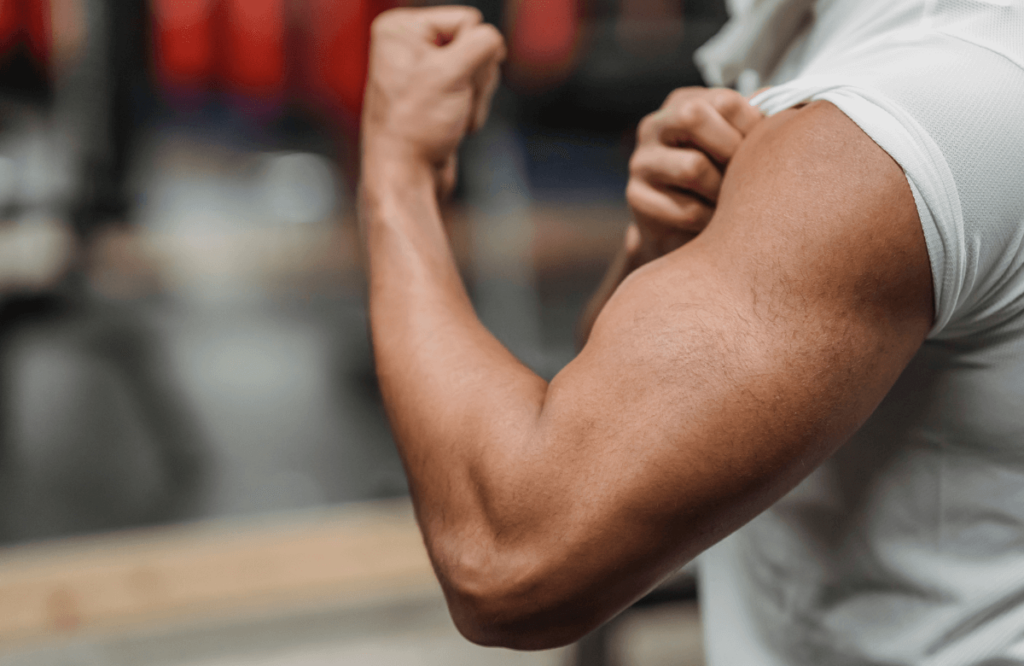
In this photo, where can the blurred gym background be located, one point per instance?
(195, 467)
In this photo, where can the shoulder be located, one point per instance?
(950, 113)
(813, 212)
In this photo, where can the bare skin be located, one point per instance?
(715, 378)
(676, 174)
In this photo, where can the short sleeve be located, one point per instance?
(950, 114)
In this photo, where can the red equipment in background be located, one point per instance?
(245, 46)
(316, 49)
(183, 43)
(543, 41)
(26, 22)
(252, 61)
(336, 53)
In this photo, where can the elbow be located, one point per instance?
(493, 622)
(519, 603)
(496, 619)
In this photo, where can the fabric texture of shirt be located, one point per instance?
(907, 545)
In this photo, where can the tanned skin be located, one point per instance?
(715, 378)
(676, 175)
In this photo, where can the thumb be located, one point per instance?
(485, 84)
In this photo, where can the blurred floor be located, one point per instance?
(419, 634)
(349, 585)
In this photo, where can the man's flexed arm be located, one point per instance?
(442, 375)
(714, 380)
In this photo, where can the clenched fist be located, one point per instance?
(432, 75)
(677, 167)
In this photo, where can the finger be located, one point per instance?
(435, 25)
(666, 207)
(701, 125)
(736, 109)
(485, 85)
(441, 25)
(476, 47)
(632, 240)
(682, 168)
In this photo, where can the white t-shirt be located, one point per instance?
(907, 546)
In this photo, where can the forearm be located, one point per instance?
(458, 401)
(466, 414)
(495, 461)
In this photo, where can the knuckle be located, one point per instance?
(725, 98)
(494, 35)
(735, 108)
(692, 172)
(684, 116)
(637, 162)
(692, 113)
(389, 23)
(680, 95)
(645, 127)
(380, 24)
(635, 193)
(697, 166)
(687, 168)
(704, 108)
(675, 98)
(389, 17)
(473, 13)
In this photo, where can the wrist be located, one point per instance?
(638, 248)
(398, 194)
(389, 161)
(389, 168)
(654, 240)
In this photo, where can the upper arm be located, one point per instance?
(719, 376)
